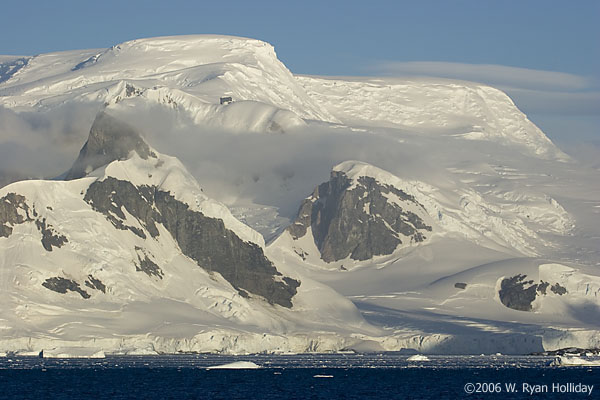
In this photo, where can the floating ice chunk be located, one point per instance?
(236, 365)
(572, 361)
(418, 357)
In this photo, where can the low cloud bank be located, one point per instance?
(41, 145)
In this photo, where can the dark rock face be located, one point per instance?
(557, 289)
(359, 222)
(513, 293)
(203, 239)
(63, 285)
(131, 90)
(12, 208)
(460, 285)
(111, 196)
(109, 140)
(541, 288)
(94, 283)
(146, 265)
(9, 213)
(49, 236)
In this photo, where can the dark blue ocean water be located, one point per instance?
(340, 376)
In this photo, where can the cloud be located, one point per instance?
(280, 170)
(546, 97)
(586, 153)
(555, 102)
(495, 75)
(42, 145)
(534, 91)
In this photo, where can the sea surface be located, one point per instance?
(313, 376)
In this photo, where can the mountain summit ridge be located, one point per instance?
(109, 140)
(190, 73)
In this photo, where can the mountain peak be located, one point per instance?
(109, 140)
(360, 214)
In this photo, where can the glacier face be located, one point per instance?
(501, 201)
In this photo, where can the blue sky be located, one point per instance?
(535, 38)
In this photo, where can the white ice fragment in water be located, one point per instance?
(418, 357)
(569, 361)
(236, 365)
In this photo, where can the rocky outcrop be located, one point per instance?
(519, 294)
(557, 289)
(50, 238)
(112, 197)
(146, 265)
(109, 140)
(14, 210)
(358, 218)
(63, 285)
(203, 239)
(95, 283)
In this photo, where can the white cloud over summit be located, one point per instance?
(496, 75)
(534, 91)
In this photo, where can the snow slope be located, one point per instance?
(465, 110)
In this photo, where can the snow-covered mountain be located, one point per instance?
(410, 257)
(189, 73)
(465, 110)
(192, 73)
(356, 216)
(129, 245)
(363, 212)
(439, 212)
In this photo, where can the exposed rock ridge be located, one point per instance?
(14, 210)
(357, 218)
(203, 239)
(109, 140)
(95, 283)
(62, 285)
(146, 265)
(513, 293)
